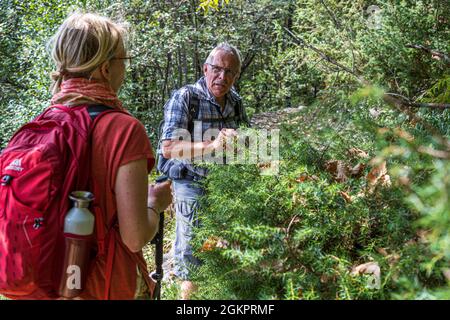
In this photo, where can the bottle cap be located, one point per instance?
(81, 198)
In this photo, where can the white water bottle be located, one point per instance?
(78, 231)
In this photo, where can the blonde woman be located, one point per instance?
(90, 57)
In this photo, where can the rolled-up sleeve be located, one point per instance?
(176, 114)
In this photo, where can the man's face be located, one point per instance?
(221, 73)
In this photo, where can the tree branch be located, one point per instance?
(430, 105)
(409, 103)
(403, 107)
(434, 53)
(401, 103)
(333, 17)
(325, 57)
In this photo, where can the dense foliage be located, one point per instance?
(302, 234)
(376, 230)
(169, 41)
(308, 233)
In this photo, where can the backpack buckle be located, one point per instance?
(6, 180)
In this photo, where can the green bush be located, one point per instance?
(298, 236)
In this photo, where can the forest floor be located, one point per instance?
(273, 119)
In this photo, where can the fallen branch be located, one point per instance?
(405, 108)
(429, 105)
(434, 153)
(434, 53)
(409, 103)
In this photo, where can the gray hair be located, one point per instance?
(224, 46)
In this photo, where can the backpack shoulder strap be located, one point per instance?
(102, 227)
(193, 112)
(105, 232)
(240, 114)
(95, 110)
(194, 107)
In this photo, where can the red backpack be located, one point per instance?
(45, 160)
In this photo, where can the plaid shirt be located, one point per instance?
(176, 113)
(176, 110)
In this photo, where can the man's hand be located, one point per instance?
(160, 195)
(227, 137)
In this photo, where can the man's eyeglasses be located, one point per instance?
(217, 70)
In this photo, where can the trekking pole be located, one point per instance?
(158, 274)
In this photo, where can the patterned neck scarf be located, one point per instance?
(78, 91)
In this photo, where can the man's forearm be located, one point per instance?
(186, 149)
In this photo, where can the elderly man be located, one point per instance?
(211, 103)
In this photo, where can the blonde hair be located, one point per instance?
(82, 43)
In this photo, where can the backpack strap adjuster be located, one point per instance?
(6, 180)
